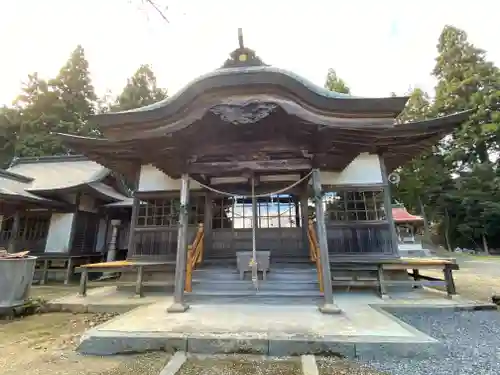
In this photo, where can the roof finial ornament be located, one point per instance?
(240, 38)
(242, 56)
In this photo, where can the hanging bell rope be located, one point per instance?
(276, 192)
(255, 278)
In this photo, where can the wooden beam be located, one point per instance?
(238, 148)
(215, 168)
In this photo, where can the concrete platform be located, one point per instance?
(363, 329)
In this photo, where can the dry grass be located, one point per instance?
(45, 343)
(472, 285)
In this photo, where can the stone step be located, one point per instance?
(275, 275)
(263, 285)
(255, 298)
(254, 293)
(290, 276)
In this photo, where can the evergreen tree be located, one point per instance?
(77, 98)
(466, 80)
(9, 128)
(38, 109)
(141, 90)
(62, 104)
(413, 175)
(424, 178)
(334, 83)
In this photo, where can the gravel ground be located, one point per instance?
(471, 339)
(339, 366)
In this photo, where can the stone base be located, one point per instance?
(177, 308)
(362, 330)
(328, 308)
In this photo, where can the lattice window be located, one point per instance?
(354, 205)
(165, 212)
(196, 210)
(242, 213)
(6, 229)
(31, 228)
(223, 213)
(275, 212)
(279, 212)
(34, 228)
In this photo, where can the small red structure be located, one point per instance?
(402, 216)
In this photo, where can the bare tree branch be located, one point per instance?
(157, 8)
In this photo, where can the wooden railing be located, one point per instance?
(195, 255)
(314, 252)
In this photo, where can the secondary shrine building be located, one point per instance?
(253, 153)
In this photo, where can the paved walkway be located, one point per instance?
(270, 329)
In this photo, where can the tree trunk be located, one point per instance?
(485, 244)
(446, 229)
(427, 234)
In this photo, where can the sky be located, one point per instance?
(377, 47)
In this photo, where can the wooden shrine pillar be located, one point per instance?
(76, 210)
(329, 307)
(388, 206)
(12, 248)
(304, 214)
(136, 205)
(207, 225)
(131, 244)
(182, 244)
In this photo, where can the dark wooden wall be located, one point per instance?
(157, 243)
(359, 239)
(281, 241)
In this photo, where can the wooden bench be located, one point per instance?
(379, 266)
(119, 266)
(62, 262)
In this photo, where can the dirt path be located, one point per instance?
(45, 343)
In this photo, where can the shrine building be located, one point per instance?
(255, 153)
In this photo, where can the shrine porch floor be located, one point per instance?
(363, 329)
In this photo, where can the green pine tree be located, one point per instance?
(424, 178)
(62, 104)
(9, 129)
(77, 98)
(38, 109)
(334, 83)
(466, 80)
(141, 90)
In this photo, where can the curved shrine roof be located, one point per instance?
(261, 80)
(248, 115)
(330, 148)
